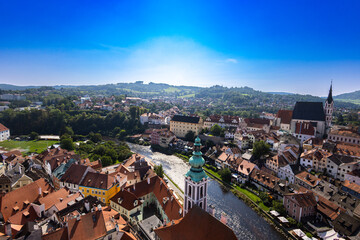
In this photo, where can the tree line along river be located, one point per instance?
(246, 223)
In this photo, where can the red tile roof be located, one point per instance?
(197, 224)
(285, 115)
(302, 199)
(308, 178)
(304, 128)
(28, 193)
(126, 199)
(353, 186)
(264, 178)
(3, 128)
(328, 208)
(348, 149)
(157, 186)
(98, 180)
(24, 216)
(227, 119)
(246, 167)
(90, 227)
(74, 174)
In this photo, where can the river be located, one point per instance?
(246, 223)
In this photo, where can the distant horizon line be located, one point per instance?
(146, 83)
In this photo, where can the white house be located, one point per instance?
(4, 133)
(339, 165)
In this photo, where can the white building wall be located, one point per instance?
(4, 135)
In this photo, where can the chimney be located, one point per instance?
(224, 218)
(134, 186)
(87, 206)
(148, 180)
(212, 210)
(8, 229)
(317, 198)
(40, 191)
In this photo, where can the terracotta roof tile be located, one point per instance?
(17, 197)
(306, 199)
(207, 228)
(285, 116)
(161, 191)
(3, 128)
(74, 174)
(305, 128)
(98, 180)
(126, 199)
(308, 178)
(328, 208)
(246, 167)
(353, 186)
(24, 216)
(264, 178)
(90, 227)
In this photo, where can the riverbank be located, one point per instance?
(251, 200)
(246, 223)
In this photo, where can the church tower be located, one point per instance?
(196, 181)
(329, 108)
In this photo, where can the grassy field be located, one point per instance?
(27, 146)
(252, 197)
(172, 90)
(244, 191)
(188, 95)
(357, 101)
(210, 170)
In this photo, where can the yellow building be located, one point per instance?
(181, 125)
(99, 185)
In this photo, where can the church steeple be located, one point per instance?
(196, 181)
(329, 109)
(330, 98)
(196, 172)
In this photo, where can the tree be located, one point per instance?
(68, 130)
(190, 136)
(159, 170)
(260, 148)
(34, 136)
(264, 196)
(340, 119)
(106, 161)
(225, 174)
(95, 137)
(66, 142)
(279, 207)
(216, 130)
(292, 221)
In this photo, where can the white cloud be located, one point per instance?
(231, 60)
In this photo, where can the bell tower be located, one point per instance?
(329, 108)
(196, 181)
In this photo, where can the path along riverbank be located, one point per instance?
(245, 222)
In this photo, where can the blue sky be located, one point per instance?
(293, 46)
